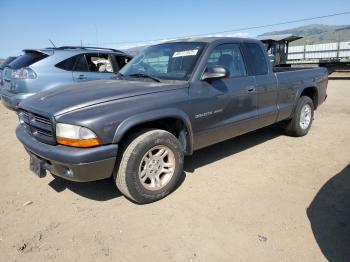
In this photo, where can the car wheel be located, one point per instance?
(150, 166)
(301, 122)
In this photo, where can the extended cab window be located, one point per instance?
(230, 57)
(257, 59)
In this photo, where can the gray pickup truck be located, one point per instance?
(167, 102)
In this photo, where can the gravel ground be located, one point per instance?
(262, 196)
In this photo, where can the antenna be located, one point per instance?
(52, 43)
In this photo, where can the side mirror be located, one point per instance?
(215, 72)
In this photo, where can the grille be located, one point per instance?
(38, 126)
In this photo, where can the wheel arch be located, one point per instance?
(312, 92)
(173, 120)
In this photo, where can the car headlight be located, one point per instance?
(76, 136)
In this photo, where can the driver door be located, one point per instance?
(224, 107)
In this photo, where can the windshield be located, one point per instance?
(171, 61)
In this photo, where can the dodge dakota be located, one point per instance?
(169, 101)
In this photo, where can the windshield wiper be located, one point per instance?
(142, 75)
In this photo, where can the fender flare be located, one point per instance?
(153, 115)
(300, 91)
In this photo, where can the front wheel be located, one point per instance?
(150, 166)
(301, 122)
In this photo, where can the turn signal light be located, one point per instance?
(78, 142)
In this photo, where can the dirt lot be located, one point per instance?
(262, 196)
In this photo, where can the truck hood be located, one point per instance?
(67, 98)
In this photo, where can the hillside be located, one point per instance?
(316, 33)
(313, 34)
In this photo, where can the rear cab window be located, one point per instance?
(257, 59)
(27, 59)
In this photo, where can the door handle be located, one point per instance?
(251, 89)
(82, 77)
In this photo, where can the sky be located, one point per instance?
(123, 24)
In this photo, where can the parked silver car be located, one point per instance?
(41, 69)
(3, 65)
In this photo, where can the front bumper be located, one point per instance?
(75, 164)
(11, 100)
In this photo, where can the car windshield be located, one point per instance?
(170, 61)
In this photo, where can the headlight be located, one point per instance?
(76, 136)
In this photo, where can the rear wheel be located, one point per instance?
(150, 166)
(301, 122)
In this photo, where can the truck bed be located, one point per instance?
(303, 77)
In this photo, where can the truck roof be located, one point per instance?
(213, 39)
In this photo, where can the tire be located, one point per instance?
(294, 127)
(139, 160)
